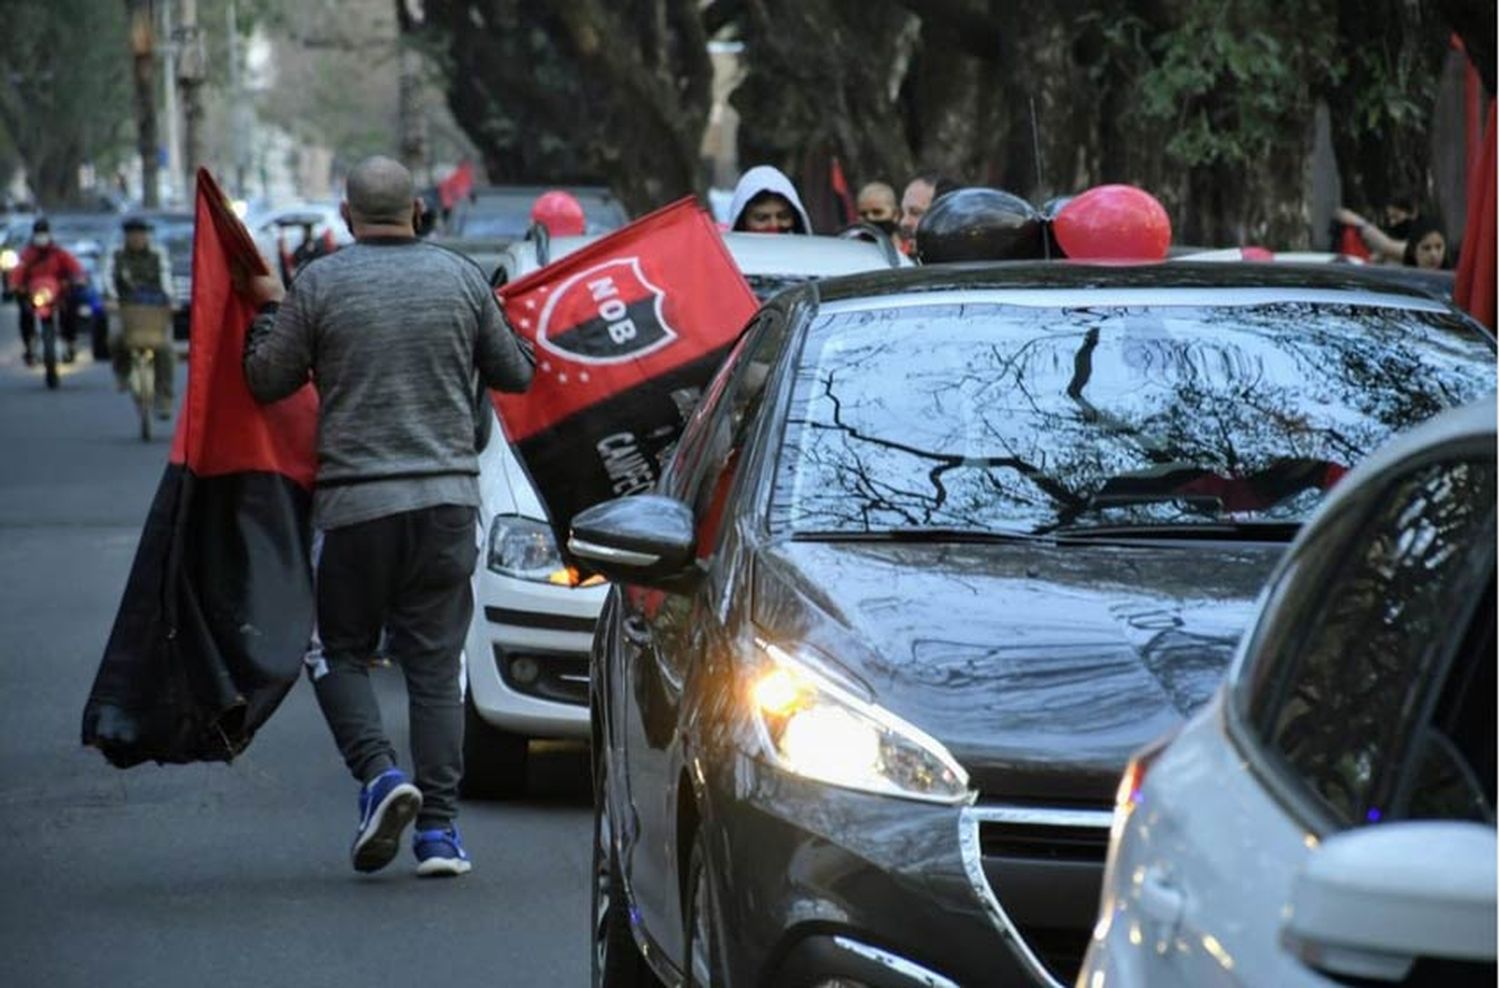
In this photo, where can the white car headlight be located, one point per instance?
(523, 547)
(8, 259)
(811, 726)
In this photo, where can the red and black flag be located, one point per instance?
(218, 607)
(626, 332)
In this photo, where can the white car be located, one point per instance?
(268, 228)
(1330, 817)
(527, 650)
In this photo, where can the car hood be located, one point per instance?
(1041, 667)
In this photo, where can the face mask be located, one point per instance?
(42, 239)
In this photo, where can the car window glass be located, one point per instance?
(1452, 771)
(684, 458)
(728, 428)
(996, 417)
(1382, 630)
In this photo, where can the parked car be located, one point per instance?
(1437, 283)
(172, 230)
(1330, 817)
(533, 622)
(938, 550)
(273, 228)
(503, 212)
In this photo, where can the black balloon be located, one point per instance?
(980, 224)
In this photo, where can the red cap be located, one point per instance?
(559, 212)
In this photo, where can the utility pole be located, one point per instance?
(143, 54)
(174, 123)
(239, 108)
(190, 87)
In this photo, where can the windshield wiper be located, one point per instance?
(934, 535)
(1212, 531)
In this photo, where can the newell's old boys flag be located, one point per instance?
(218, 607)
(627, 332)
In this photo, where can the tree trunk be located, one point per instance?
(143, 54)
(190, 74)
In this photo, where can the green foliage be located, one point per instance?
(1233, 79)
(65, 87)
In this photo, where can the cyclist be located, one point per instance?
(139, 273)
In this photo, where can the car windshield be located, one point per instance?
(500, 217)
(1004, 418)
(68, 229)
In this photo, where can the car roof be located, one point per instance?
(756, 253)
(1071, 278)
(507, 191)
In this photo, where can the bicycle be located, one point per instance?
(145, 327)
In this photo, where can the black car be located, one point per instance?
(937, 552)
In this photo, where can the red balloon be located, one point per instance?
(1113, 223)
(560, 213)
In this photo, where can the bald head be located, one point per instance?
(876, 203)
(380, 192)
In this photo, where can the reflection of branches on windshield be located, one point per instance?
(943, 461)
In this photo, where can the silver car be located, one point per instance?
(1330, 817)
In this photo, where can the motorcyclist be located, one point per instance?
(140, 273)
(43, 258)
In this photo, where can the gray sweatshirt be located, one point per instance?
(392, 332)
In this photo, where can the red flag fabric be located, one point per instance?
(840, 186)
(1474, 286)
(223, 429)
(456, 186)
(626, 332)
(1350, 244)
(218, 607)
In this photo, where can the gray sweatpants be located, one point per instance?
(407, 575)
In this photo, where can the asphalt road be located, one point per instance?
(224, 875)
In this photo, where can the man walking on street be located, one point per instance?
(392, 331)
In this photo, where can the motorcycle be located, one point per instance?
(47, 299)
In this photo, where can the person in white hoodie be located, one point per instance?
(766, 202)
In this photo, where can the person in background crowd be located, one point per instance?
(766, 202)
(876, 205)
(140, 273)
(394, 333)
(1387, 244)
(1426, 246)
(42, 257)
(917, 199)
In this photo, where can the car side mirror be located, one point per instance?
(1372, 901)
(644, 539)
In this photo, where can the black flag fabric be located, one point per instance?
(218, 607)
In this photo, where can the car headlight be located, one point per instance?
(8, 259)
(523, 547)
(811, 726)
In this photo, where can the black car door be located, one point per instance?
(662, 633)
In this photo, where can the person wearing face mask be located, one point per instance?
(877, 206)
(42, 258)
(766, 202)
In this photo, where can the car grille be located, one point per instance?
(1040, 869)
(561, 677)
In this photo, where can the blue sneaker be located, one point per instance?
(387, 803)
(440, 852)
